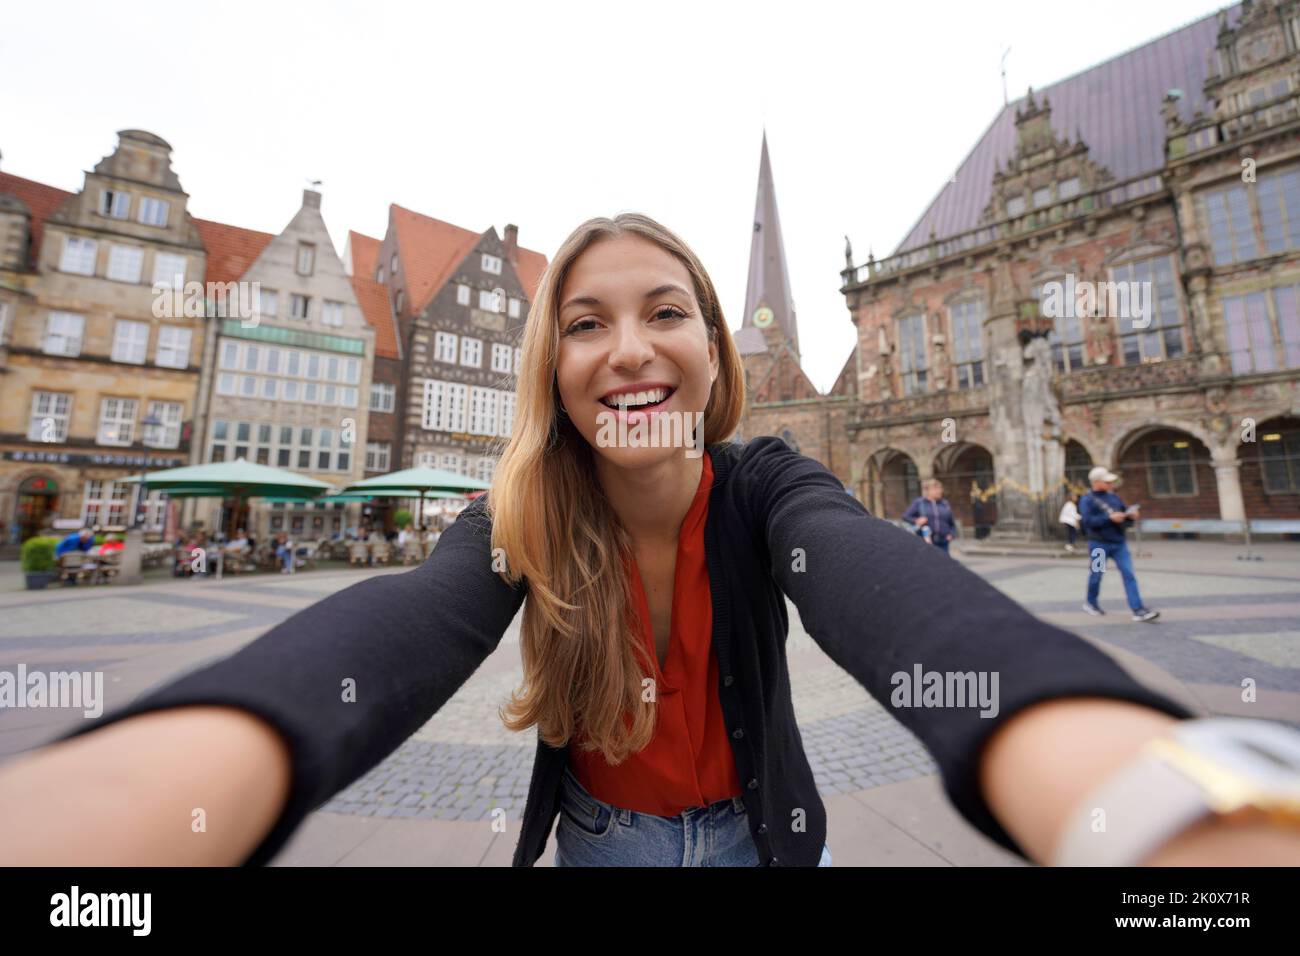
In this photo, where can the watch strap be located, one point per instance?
(1131, 815)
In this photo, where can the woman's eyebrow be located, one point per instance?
(653, 293)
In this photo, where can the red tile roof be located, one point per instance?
(41, 201)
(232, 250)
(530, 267)
(430, 250)
(371, 295)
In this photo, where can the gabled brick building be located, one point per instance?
(459, 300)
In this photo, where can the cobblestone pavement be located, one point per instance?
(1223, 621)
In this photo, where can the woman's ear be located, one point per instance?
(713, 356)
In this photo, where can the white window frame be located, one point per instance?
(69, 342)
(519, 360)
(471, 352)
(514, 308)
(491, 264)
(386, 393)
(506, 421)
(116, 207)
(268, 302)
(462, 294)
(109, 502)
(125, 263)
(331, 313)
(4, 321)
(305, 261)
(153, 212)
(79, 255)
(119, 412)
(294, 299)
(377, 455)
(444, 347)
(130, 341)
(501, 358)
(171, 414)
(169, 270)
(443, 406)
(56, 406)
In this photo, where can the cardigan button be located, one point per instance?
(753, 784)
(762, 828)
(738, 733)
(728, 681)
(772, 862)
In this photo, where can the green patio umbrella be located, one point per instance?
(238, 479)
(419, 483)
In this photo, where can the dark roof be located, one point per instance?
(1114, 107)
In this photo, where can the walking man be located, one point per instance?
(1104, 519)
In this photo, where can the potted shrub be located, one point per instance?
(38, 562)
(402, 518)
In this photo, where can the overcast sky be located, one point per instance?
(544, 114)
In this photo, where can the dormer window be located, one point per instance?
(379, 275)
(492, 264)
(114, 203)
(392, 265)
(306, 258)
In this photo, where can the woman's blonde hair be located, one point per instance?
(583, 664)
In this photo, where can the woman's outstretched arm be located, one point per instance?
(1062, 715)
(189, 786)
(340, 685)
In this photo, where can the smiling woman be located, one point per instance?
(653, 584)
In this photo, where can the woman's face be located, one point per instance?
(631, 326)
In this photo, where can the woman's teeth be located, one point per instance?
(636, 399)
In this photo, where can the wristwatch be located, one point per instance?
(1235, 769)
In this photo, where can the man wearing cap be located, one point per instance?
(1103, 518)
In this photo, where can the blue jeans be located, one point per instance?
(1117, 552)
(594, 833)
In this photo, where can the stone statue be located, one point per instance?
(886, 366)
(1041, 415)
(940, 367)
(1099, 342)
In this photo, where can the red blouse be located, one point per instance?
(688, 762)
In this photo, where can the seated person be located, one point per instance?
(284, 551)
(82, 540)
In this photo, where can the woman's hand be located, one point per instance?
(1037, 769)
(128, 794)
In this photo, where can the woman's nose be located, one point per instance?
(631, 347)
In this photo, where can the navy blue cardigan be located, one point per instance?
(777, 522)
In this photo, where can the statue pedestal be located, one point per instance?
(132, 552)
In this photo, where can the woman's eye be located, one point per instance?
(579, 326)
(669, 312)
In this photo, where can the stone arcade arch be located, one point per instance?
(894, 483)
(966, 470)
(1169, 471)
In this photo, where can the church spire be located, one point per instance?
(768, 290)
